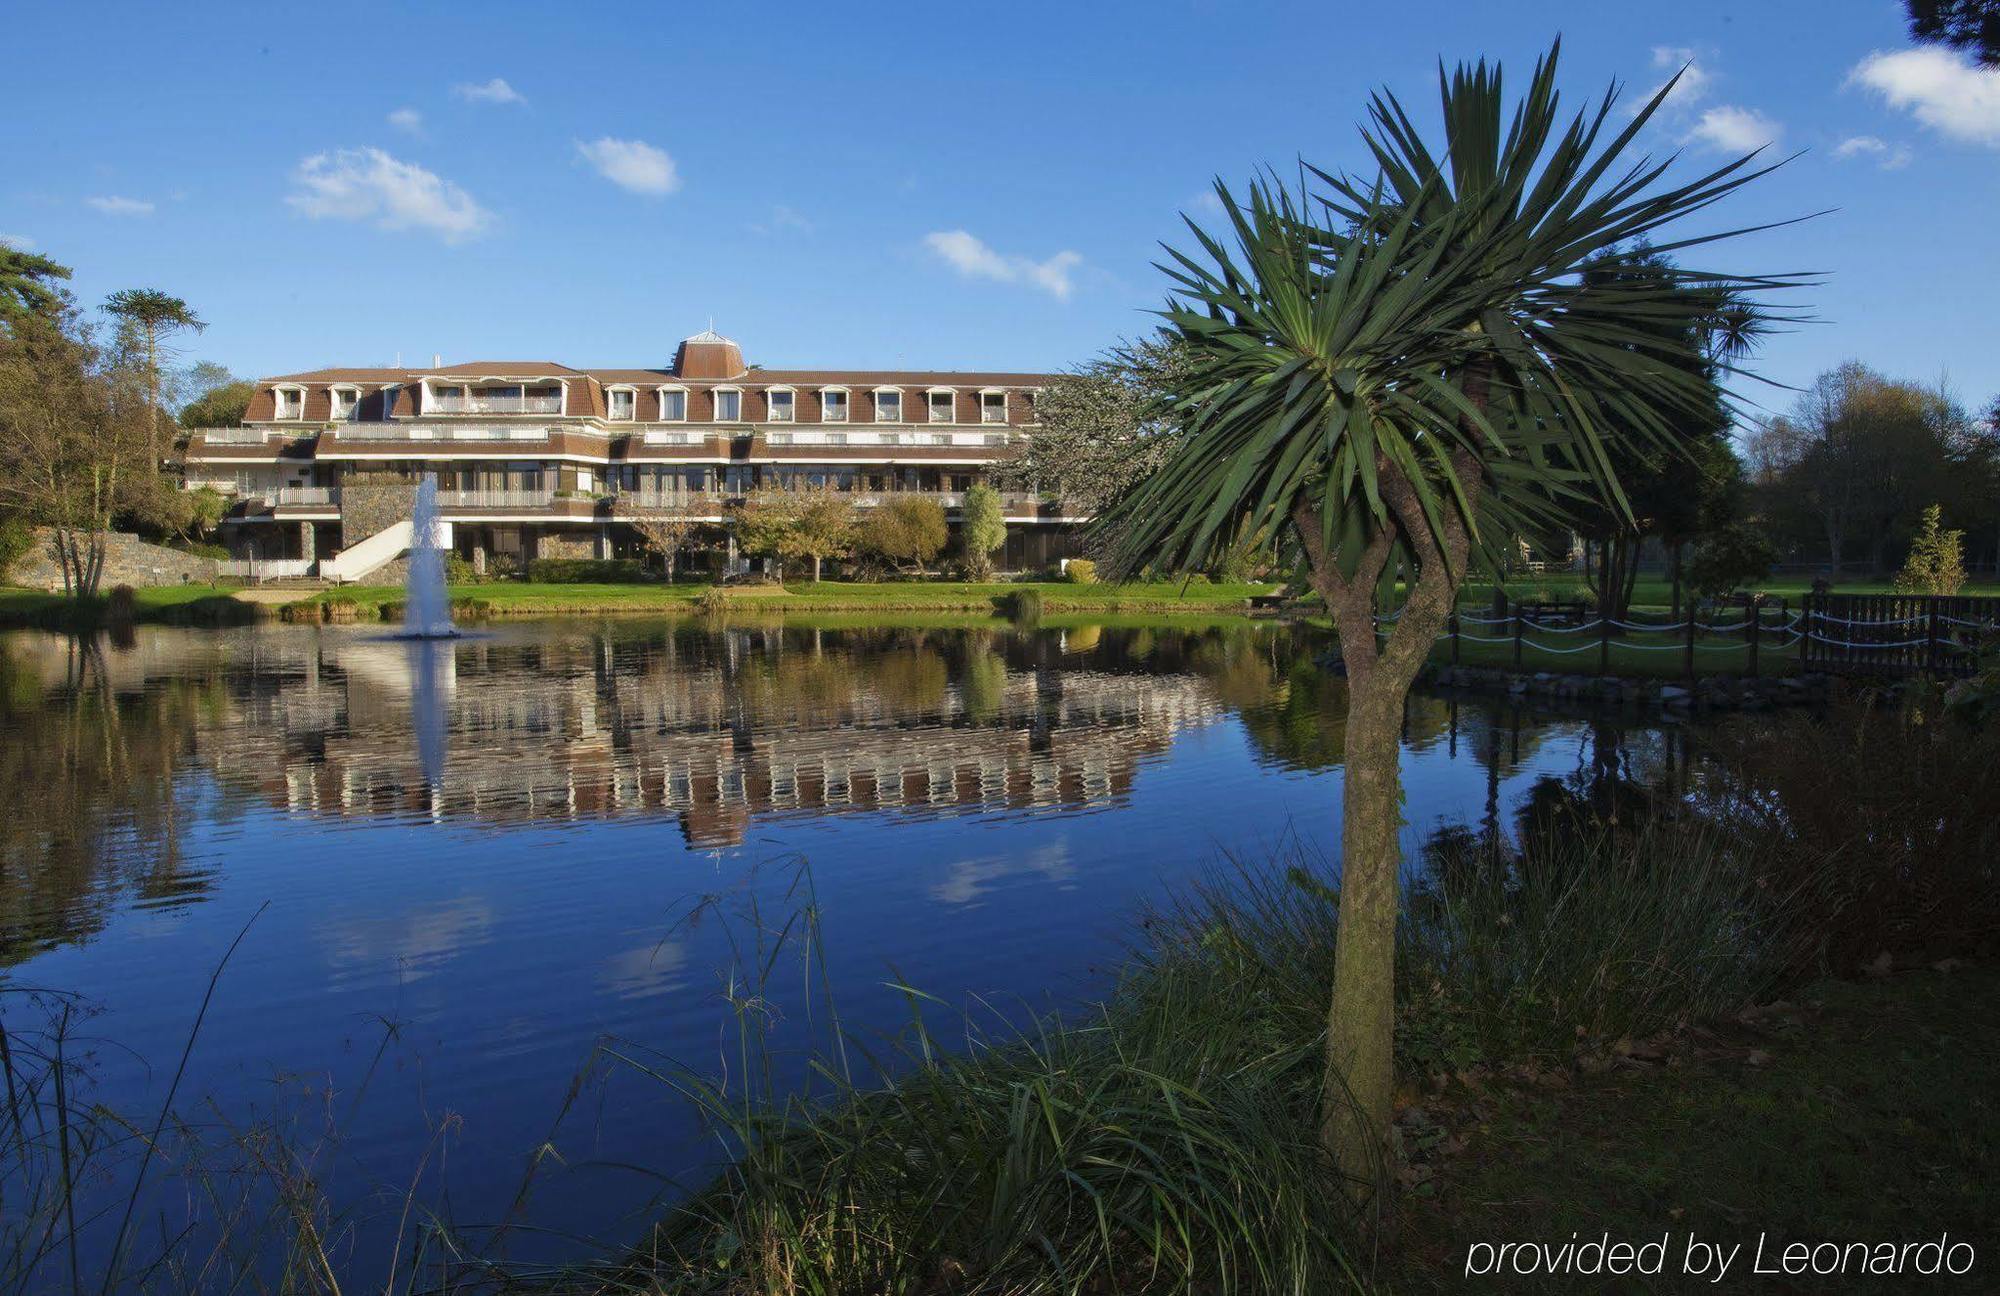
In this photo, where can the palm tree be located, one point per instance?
(1405, 373)
(154, 315)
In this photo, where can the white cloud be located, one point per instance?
(1946, 91)
(1888, 156)
(495, 91)
(1693, 86)
(631, 164)
(367, 184)
(973, 259)
(407, 120)
(784, 220)
(1735, 130)
(19, 242)
(114, 205)
(1207, 204)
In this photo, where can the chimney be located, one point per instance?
(437, 360)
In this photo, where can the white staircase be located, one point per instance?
(385, 546)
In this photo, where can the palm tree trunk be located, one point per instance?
(1359, 1081)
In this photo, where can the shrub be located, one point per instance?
(122, 605)
(1080, 571)
(586, 571)
(458, 571)
(1936, 563)
(1728, 559)
(1022, 606)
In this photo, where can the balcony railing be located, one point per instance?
(493, 405)
(409, 432)
(232, 435)
(307, 496)
(495, 499)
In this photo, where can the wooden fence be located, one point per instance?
(1897, 635)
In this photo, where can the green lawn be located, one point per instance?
(1865, 1111)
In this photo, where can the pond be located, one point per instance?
(463, 866)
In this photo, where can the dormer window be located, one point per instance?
(291, 402)
(673, 405)
(888, 407)
(784, 405)
(728, 405)
(993, 407)
(941, 406)
(833, 405)
(345, 401)
(623, 403)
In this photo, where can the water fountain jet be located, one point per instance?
(426, 609)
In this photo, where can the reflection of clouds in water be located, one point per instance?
(968, 880)
(417, 940)
(651, 969)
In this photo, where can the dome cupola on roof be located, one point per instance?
(708, 354)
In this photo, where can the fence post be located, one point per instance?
(1750, 629)
(1931, 654)
(1517, 637)
(1454, 634)
(1687, 653)
(1603, 640)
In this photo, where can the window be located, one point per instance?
(291, 402)
(781, 438)
(345, 401)
(783, 407)
(993, 407)
(892, 438)
(728, 405)
(673, 405)
(836, 438)
(888, 407)
(833, 405)
(937, 438)
(941, 407)
(996, 438)
(623, 402)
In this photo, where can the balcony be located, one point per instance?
(418, 432)
(493, 405)
(495, 499)
(307, 496)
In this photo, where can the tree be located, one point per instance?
(1728, 558)
(983, 524)
(823, 525)
(1936, 562)
(1857, 459)
(28, 284)
(1972, 25)
(907, 530)
(664, 531)
(222, 406)
(74, 445)
(763, 527)
(1101, 429)
(154, 316)
(1406, 370)
(1671, 491)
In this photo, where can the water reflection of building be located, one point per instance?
(716, 734)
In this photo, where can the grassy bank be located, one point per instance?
(162, 604)
(520, 598)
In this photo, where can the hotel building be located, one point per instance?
(536, 459)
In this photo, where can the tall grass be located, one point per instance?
(1165, 1142)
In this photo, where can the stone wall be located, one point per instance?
(364, 510)
(566, 544)
(128, 560)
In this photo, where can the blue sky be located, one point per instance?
(886, 185)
